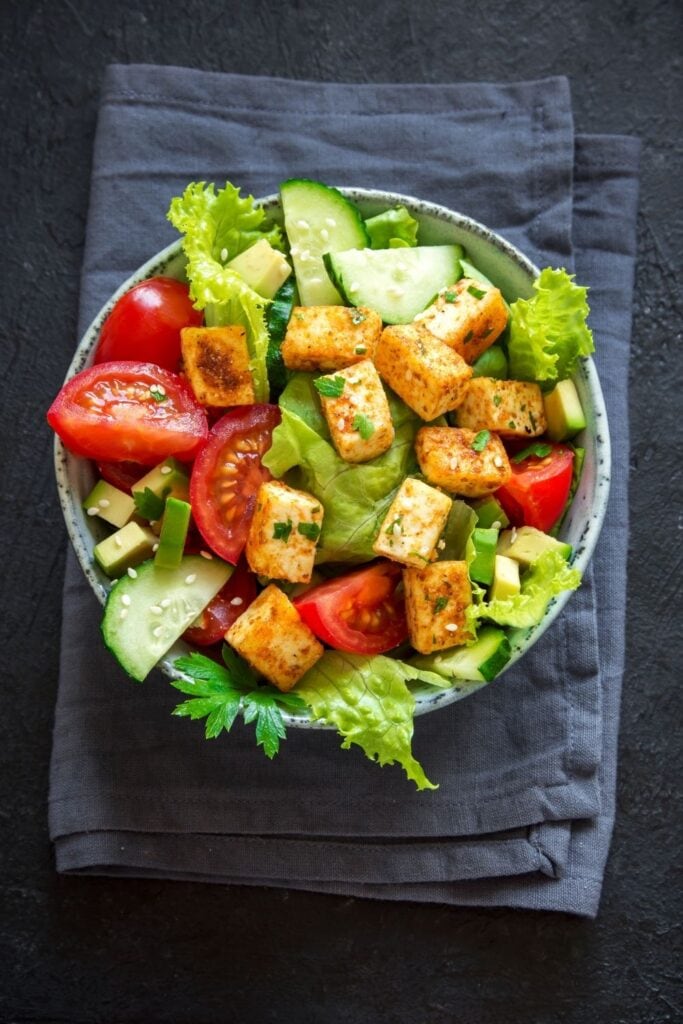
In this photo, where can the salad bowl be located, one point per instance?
(514, 274)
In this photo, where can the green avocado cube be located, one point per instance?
(263, 268)
(173, 534)
(124, 549)
(526, 544)
(506, 583)
(109, 503)
(481, 567)
(490, 513)
(563, 411)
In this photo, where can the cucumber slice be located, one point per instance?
(139, 626)
(277, 318)
(318, 220)
(481, 662)
(397, 283)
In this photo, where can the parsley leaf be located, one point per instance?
(357, 317)
(476, 292)
(497, 400)
(364, 426)
(395, 525)
(440, 604)
(480, 440)
(450, 297)
(416, 554)
(330, 387)
(150, 505)
(218, 694)
(281, 531)
(309, 530)
(538, 449)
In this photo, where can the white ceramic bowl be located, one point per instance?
(514, 274)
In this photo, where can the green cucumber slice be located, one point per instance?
(146, 613)
(277, 319)
(480, 663)
(318, 220)
(397, 283)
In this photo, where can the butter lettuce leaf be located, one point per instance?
(392, 229)
(548, 332)
(549, 576)
(369, 703)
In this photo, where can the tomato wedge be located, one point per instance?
(228, 604)
(362, 613)
(537, 491)
(227, 475)
(128, 411)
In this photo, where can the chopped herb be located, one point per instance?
(358, 317)
(489, 330)
(309, 530)
(539, 450)
(298, 316)
(157, 395)
(450, 297)
(497, 400)
(468, 337)
(364, 426)
(476, 292)
(512, 425)
(440, 604)
(532, 420)
(281, 531)
(150, 505)
(360, 350)
(396, 525)
(480, 441)
(316, 509)
(416, 554)
(330, 387)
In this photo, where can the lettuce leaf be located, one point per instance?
(392, 229)
(545, 579)
(356, 497)
(548, 332)
(218, 226)
(367, 700)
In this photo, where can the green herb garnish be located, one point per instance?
(330, 387)
(450, 297)
(480, 441)
(158, 396)
(360, 350)
(512, 425)
(468, 337)
(440, 604)
(309, 530)
(281, 531)
(364, 426)
(476, 292)
(416, 554)
(150, 505)
(357, 317)
(539, 450)
(396, 525)
(497, 400)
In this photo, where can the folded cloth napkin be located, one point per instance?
(526, 766)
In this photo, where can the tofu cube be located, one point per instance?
(271, 636)
(216, 364)
(511, 408)
(412, 526)
(359, 419)
(429, 376)
(330, 337)
(449, 458)
(468, 316)
(437, 596)
(284, 532)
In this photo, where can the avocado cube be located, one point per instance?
(167, 480)
(109, 503)
(506, 582)
(490, 513)
(174, 526)
(263, 268)
(526, 544)
(563, 411)
(124, 549)
(482, 566)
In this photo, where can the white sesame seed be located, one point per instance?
(396, 291)
(156, 609)
(441, 545)
(331, 222)
(165, 603)
(157, 631)
(453, 463)
(93, 510)
(165, 470)
(340, 423)
(155, 547)
(324, 234)
(407, 503)
(160, 388)
(354, 286)
(153, 522)
(496, 525)
(451, 627)
(303, 224)
(304, 255)
(123, 613)
(206, 554)
(224, 255)
(191, 578)
(294, 250)
(125, 600)
(315, 280)
(513, 535)
(237, 601)
(118, 542)
(104, 503)
(498, 461)
(132, 573)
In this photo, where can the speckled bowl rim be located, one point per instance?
(586, 379)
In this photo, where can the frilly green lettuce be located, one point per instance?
(392, 229)
(548, 332)
(549, 576)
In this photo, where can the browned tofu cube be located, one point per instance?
(511, 408)
(216, 364)
(468, 316)
(272, 637)
(359, 418)
(330, 337)
(283, 533)
(462, 461)
(411, 528)
(436, 599)
(429, 376)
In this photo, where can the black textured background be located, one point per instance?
(97, 950)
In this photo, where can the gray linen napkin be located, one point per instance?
(526, 766)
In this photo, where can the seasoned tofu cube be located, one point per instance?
(359, 418)
(284, 533)
(272, 637)
(512, 408)
(329, 337)
(216, 363)
(412, 526)
(463, 461)
(468, 316)
(437, 596)
(429, 376)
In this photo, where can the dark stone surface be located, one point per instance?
(95, 950)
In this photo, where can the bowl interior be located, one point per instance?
(514, 274)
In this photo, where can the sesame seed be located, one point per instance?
(123, 613)
(340, 423)
(396, 291)
(453, 463)
(237, 601)
(497, 525)
(118, 542)
(451, 627)
(294, 250)
(165, 470)
(315, 280)
(157, 631)
(224, 255)
(331, 222)
(93, 510)
(156, 609)
(513, 535)
(354, 286)
(324, 234)
(165, 603)
(125, 600)
(132, 573)
(160, 388)
(441, 545)
(206, 554)
(304, 255)
(104, 503)
(191, 578)
(155, 547)
(407, 503)
(498, 461)
(303, 224)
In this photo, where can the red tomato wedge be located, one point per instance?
(362, 613)
(145, 323)
(227, 475)
(228, 604)
(110, 413)
(537, 491)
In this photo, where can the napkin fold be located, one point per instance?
(527, 765)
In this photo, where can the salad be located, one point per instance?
(331, 458)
